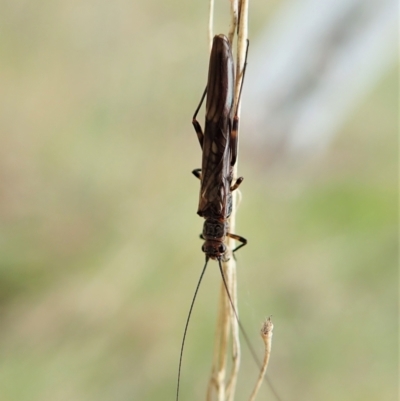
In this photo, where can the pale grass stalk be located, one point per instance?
(227, 324)
(266, 334)
(231, 270)
(241, 48)
(234, 19)
(210, 24)
(230, 266)
(216, 383)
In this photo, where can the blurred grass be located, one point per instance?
(99, 236)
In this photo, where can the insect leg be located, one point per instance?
(236, 184)
(237, 238)
(197, 173)
(196, 124)
(235, 125)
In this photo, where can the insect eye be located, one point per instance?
(221, 248)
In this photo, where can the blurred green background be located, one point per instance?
(99, 242)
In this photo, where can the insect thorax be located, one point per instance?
(214, 229)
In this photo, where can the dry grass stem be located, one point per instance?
(216, 384)
(220, 387)
(266, 334)
(230, 275)
(230, 266)
(234, 19)
(210, 24)
(241, 48)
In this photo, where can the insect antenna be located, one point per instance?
(186, 327)
(244, 333)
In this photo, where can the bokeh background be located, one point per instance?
(99, 242)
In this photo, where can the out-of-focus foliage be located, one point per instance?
(99, 251)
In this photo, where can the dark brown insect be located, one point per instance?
(219, 145)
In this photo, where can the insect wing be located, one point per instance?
(215, 197)
(220, 83)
